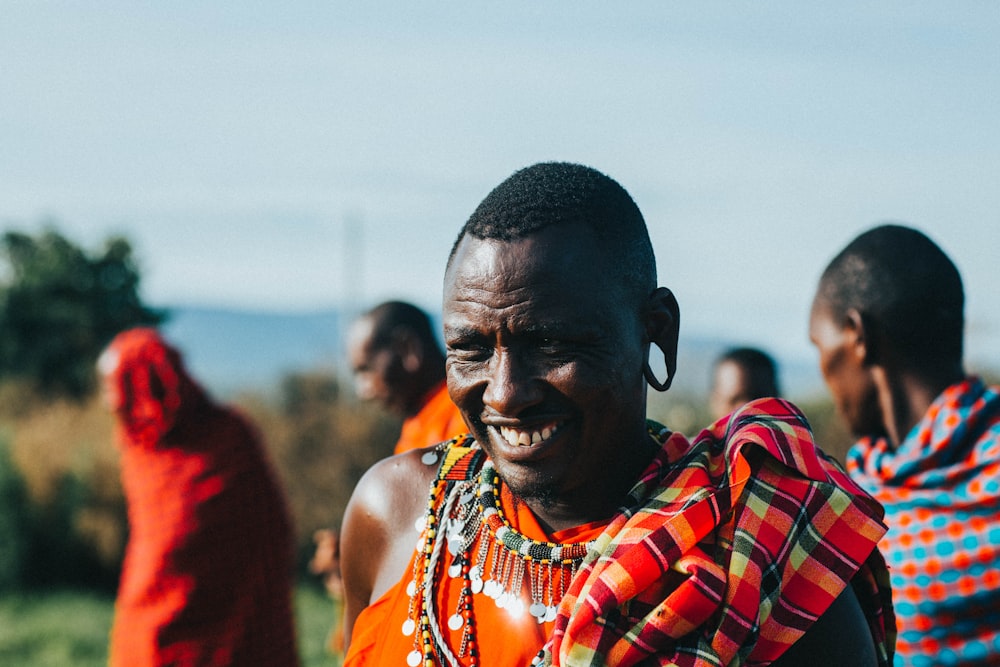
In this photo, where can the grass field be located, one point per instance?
(70, 629)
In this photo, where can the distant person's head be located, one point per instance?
(741, 375)
(889, 305)
(146, 385)
(395, 357)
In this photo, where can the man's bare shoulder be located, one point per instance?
(379, 533)
(394, 490)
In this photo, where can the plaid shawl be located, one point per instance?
(941, 492)
(736, 543)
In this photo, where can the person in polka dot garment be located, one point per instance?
(888, 321)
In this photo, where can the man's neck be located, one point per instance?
(910, 395)
(428, 389)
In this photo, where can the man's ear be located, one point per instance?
(861, 337)
(409, 350)
(663, 319)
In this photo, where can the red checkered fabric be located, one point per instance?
(736, 543)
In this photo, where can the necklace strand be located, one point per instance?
(497, 568)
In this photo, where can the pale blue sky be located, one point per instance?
(231, 141)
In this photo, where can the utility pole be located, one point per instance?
(352, 265)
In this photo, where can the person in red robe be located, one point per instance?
(208, 568)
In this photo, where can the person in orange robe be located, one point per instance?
(208, 567)
(397, 361)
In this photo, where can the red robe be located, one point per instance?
(208, 567)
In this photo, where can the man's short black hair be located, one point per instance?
(902, 283)
(760, 367)
(391, 318)
(562, 193)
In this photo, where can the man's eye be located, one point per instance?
(468, 352)
(551, 345)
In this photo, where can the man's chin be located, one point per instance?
(530, 485)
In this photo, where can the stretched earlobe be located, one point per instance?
(653, 381)
(663, 318)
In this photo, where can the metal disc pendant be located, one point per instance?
(456, 622)
(455, 570)
(537, 609)
(455, 543)
(411, 588)
(414, 658)
(550, 614)
(515, 605)
(477, 586)
(409, 626)
(419, 524)
(429, 458)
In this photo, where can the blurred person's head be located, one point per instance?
(145, 384)
(887, 319)
(395, 357)
(741, 375)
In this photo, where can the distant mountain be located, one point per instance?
(231, 350)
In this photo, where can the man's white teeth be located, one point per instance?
(520, 438)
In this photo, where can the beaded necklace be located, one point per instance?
(462, 507)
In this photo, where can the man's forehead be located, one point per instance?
(524, 286)
(558, 249)
(359, 335)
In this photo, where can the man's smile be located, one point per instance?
(517, 437)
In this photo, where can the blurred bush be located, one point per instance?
(13, 526)
(75, 511)
(321, 440)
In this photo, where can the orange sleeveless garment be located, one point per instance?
(437, 421)
(503, 639)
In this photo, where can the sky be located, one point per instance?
(301, 155)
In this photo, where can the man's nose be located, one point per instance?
(511, 385)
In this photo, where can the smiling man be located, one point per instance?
(566, 529)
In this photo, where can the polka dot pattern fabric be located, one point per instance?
(941, 492)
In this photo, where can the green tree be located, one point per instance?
(59, 307)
